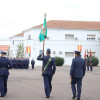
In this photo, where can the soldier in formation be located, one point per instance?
(5, 65)
(20, 63)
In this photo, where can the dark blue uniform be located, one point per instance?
(77, 72)
(87, 63)
(5, 64)
(32, 63)
(48, 73)
(91, 64)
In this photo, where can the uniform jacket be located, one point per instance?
(51, 67)
(78, 67)
(32, 62)
(91, 62)
(5, 64)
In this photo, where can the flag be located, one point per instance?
(28, 49)
(79, 47)
(85, 54)
(90, 53)
(43, 33)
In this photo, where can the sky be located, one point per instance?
(19, 15)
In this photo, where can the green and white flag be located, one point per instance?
(43, 33)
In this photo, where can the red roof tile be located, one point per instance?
(72, 24)
(4, 47)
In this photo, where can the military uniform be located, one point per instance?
(77, 72)
(87, 63)
(91, 64)
(32, 63)
(5, 64)
(48, 73)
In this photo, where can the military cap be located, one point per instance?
(3, 52)
(77, 52)
(48, 50)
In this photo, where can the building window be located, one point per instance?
(54, 52)
(48, 38)
(69, 36)
(69, 54)
(28, 37)
(13, 42)
(91, 37)
(93, 54)
(29, 54)
(60, 52)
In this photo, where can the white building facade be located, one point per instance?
(62, 40)
(14, 42)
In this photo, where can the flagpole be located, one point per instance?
(44, 39)
(43, 46)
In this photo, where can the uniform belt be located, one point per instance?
(3, 68)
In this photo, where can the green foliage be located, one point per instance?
(95, 61)
(20, 50)
(8, 52)
(59, 61)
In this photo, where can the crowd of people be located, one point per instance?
(77, 71)
(89, 63)
(22, 63)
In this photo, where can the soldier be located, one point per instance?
(48, 70)
(77, 72)
(32, 63)
(91, 63)
(87, 63)
(5, 65)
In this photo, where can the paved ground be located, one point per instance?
(28, 85)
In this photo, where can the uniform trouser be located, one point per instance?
(77, 81)
(91, 68)
(32, 66)
(88, 68)
(47, 84)
(3, 84)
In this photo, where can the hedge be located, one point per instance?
(59, 61)
(95, 61)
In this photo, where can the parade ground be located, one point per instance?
(28, 84)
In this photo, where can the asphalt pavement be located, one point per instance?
(28, 84)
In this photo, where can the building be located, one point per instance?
(14, 42)
(63, 37)
(4, 44)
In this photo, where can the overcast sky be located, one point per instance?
(18, 15)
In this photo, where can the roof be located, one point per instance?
(72, 24)
(4, 47)
(63, 24)
(20, 34)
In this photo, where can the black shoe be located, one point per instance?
(74, 96)
(78, 98)
(47, 96)
(2, 96)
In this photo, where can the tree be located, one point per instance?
(20, 50)
(8, 52)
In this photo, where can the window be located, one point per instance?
(93, 53)
(54, 52)
(60, 52)
(13, 42)
(48, 38)
(28, 37)
(69, 54)
(91, 37)
(29, 54)
(69, 36)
